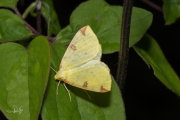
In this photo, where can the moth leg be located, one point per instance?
(67, 91)
(57, 87)
(87, 94)
(53, 70)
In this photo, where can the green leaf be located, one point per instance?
(149, 50)
(12, 27)
(105, 20)
(101, 106)
(38, 72)
(23, 78)
(14, 81)
(171, 11)
(50, 15)
(8, 3)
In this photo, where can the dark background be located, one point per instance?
(145, 97)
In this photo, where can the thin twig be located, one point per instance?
(38, 16)
(17, 12)
(50, 39)
(124, 43)
(156, 7)
(26, 24)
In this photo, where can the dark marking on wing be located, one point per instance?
(83, 30)
(60, 65)
(73, 47)
(85, 84)
(103, 89)
(64, 80)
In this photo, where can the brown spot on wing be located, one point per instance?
(61, 79)
(103, 89)
(60, 66)
(85, 84)
(73, 47)
(64, 80)
(83, 30)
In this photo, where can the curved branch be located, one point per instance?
(26, 24)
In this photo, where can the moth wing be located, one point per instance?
(83, 48)
(93, 76)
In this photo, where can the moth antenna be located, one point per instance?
(54, 70)
(57, 87)
(67, 91)
(87, 94)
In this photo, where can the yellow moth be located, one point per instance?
(81, 66)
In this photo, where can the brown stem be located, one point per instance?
(50, 39)
(26, 24)
(38, 16)
(156, 7)
(124, 43)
